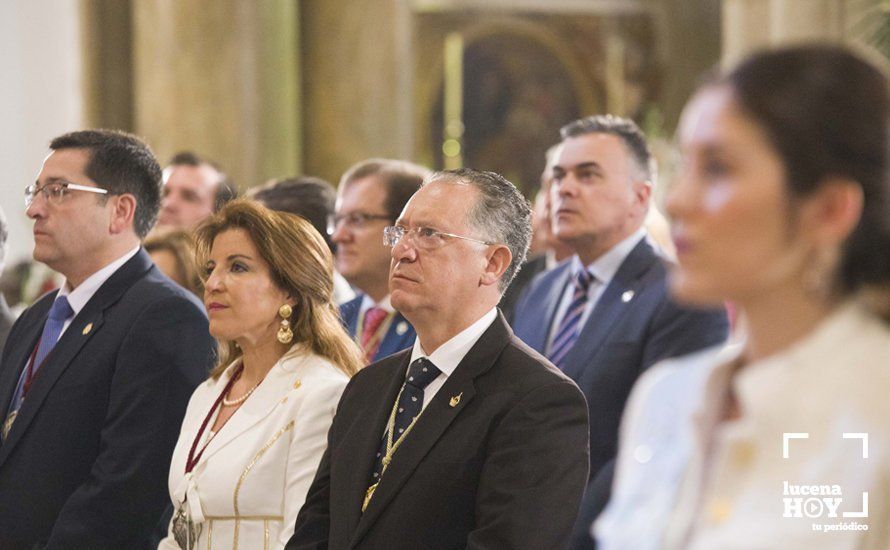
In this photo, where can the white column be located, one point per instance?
(40, 99)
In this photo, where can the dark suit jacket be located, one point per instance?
(86, 462)
(399, 336)
(633, 325)
(503, 467)
(530, 269)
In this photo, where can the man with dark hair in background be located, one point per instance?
(313, 199)
(371, 195)
(97, 375)
(194, 188)
(546, 251)
(605, 316)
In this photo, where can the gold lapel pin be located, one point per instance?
(455, 400)
(87, 329)
(627, 296)
(297, 385)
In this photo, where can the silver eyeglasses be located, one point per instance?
(54, 192)
(425, 238)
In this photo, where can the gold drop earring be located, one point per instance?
(285, 334)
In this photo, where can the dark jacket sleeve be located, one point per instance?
(538, 460)
(164, 356)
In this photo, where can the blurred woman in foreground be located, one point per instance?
(254, 433)
(781, 207)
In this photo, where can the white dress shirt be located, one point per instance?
(342, 291)
(79, 297)
(603, 270)
(449, 355)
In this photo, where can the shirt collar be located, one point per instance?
(79, 297)
(606, 266)
(368, 303)
(449, 355)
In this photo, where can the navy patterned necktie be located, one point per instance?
(420, 373)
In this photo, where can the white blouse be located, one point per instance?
(807, 464)
(253, 476)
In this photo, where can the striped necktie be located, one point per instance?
(570, 326)
(374, 317)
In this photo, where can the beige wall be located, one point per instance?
(749, 25)
(219, 77)
(276, 87)
(357, 67)
(373, 67)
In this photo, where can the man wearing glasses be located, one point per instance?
(469, 438)
(370, 196)
(95, 377)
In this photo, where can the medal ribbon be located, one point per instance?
(193, 459)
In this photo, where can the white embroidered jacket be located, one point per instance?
(253, 477)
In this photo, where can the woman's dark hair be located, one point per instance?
(826, 112)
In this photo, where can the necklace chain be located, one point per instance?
(391, 446)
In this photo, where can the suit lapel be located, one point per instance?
(552, 297)
(87, 324)
(399, 336)
(615, 301)
(363, 440)
(435, 419)
(262, 402)
(18, 355)
(349, 314)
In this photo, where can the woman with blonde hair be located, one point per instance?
(173, 252)
(254, 432)
(782, 440)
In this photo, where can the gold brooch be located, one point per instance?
(455, 400)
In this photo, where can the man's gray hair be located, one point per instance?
(501, 214)
(624, 128)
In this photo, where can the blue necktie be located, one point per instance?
(59, 313)
(421, 372)
(570, 327)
